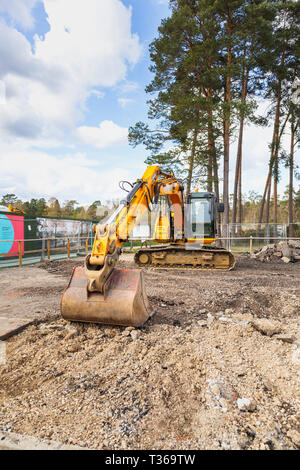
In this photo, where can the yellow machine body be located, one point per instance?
(100, 293)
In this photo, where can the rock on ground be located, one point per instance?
(287, 251)
(176, 382)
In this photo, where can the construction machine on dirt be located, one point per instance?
(101, 293)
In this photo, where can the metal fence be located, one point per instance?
(251, 244)
(31, 239)
(67, 248)
(282, 230)
(241, 236)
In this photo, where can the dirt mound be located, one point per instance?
(215, 368)
(285, 251)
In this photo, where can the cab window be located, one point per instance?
(201, 218)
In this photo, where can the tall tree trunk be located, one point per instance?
(275, 195)
(271, 163)
(277, 143)
(226, 178)
(210, 147)
(227, 138)
(276, 151)
(291, 182)
(209, 170)
(237, 171)
(216, 183)
(240, 205)
(237, 194)
(217, 193)
(191, 165)
(263, 201)
(216, 174)
(268, 201)
(237, 197)
(213, 163)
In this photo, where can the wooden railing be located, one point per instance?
(86, 246)
(48, 250)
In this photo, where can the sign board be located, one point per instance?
(11, 230)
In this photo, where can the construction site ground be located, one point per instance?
(216, 367)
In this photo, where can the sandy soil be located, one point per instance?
(34, 289)
(217, 366)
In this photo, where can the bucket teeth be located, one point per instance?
(123, 302)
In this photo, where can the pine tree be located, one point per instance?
(54, 209)
(69, 208)
(9, 199)
(91, 213)
(256, 35)
(290, 160)
(280, 65)
(184, 60)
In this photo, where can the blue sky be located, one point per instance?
(72, 80)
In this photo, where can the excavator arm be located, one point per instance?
(110, 236)
(100, 292)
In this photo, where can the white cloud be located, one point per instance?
(2, 92)
(19, 11)
(44, 90)
(128, 87)
(91, 39)
(66, 176)
(106, 134)
(125, 101)
(89, 46)
(97, 93)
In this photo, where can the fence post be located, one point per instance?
(68, 247)
(48, 248)
(20, 254)
(43, 247)
(251, 241)
(228, 241)
(285, 231)
(87, 246)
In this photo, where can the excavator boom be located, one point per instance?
(100, 293)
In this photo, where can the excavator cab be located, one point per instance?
(200, 217)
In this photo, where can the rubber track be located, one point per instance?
(182, 266)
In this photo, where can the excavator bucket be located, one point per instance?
(124, 301)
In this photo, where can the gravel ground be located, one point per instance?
(216, 367)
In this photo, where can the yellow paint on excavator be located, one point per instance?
(100, 292)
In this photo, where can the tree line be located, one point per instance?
(251, 204)
(213, 62)
(53, 208)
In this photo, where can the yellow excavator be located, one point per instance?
(15, 210)
(100, 293)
